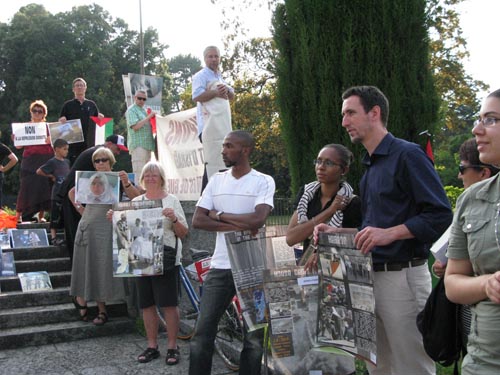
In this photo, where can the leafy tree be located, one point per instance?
(41, 54)
(457, 89)
(319, 59)
(182, 68)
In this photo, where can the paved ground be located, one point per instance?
(115, 355)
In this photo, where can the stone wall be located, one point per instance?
(196, 238)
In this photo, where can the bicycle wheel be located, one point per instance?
(229, 340)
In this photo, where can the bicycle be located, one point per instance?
(229, 339)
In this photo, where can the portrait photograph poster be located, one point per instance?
(93, 187)
(71, 131)
(35, 237)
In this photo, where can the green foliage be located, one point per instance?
(457, 89)
(182, 68)
(41, 53)
(453, 192)
(319, 59)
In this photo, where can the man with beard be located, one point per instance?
(238, 199)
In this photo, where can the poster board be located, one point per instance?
(71, 131)
(35, 281)
(97, 187)
(34, 237)
(138, 238)
(29, 133)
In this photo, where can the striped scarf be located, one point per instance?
(309, 191)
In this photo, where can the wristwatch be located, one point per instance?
(218, 214)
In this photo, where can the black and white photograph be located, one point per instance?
(4, 240)
(35, 281)
(34, 237)
(97, 187)
(71, 131)
(7, 264)
(137, 239)
(346, 287)
(284, 255)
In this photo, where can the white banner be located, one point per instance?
(29, 133)
(181, 154)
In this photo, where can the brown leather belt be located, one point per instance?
(398, 266)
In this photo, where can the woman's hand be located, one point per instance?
(438, 268)
(169, 213)
(312, 263)
(492, 287)
(323, 228)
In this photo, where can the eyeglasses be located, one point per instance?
(487, 121)
(327, 163)
(463, 168)
(37, 111)
(103, 160)
(140, 98)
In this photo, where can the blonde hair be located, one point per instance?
(41, 104)
(153, 166)
(106, 152)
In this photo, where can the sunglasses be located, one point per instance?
(139, 98)
(463, 168)
(103, 160)
(37, 111)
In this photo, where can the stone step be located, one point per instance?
(58, 280)
(49, 265)
(62, 332)
(47, 252)
(11, 300)
(50, 314)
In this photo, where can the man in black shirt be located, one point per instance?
(80, 108)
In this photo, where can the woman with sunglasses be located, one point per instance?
(92, 273)
(34, 190)
(328, 200)
(473, 272)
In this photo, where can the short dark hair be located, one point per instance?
(345, 155)
(495, 94)
(246, 138)
(370, 96)
(59, 142)
(469, 153)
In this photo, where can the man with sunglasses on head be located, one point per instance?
(139, 132)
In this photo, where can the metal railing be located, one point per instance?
(283, 210)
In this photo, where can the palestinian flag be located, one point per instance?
(103, 129)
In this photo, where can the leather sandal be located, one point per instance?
(85, 316)
(173, 356)
(148, 355)
(101, 318)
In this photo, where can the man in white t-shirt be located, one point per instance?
(238, 199)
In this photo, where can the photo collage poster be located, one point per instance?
(33, 237)
(138, 238)
(346, 316)
(292, 303)
(35, 281)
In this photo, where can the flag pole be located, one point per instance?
(141, 38)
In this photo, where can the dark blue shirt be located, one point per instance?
(401, 186)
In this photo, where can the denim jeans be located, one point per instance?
(218, 290)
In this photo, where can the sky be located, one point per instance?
(188, 26)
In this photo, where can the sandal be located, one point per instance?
(173, 356)
(85, 316)
(101, 318)
(148, 355)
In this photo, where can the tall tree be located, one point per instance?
(41, 53)
(182, 68)
(329, 46)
